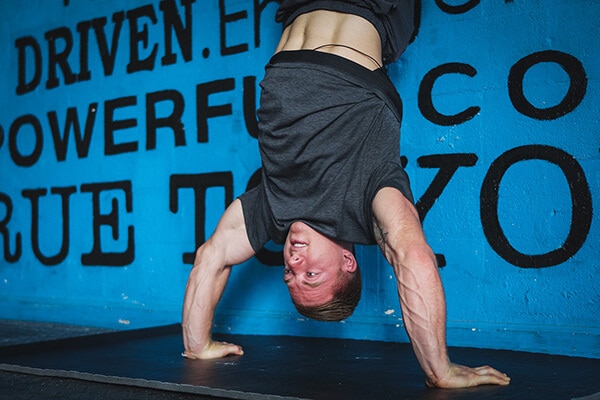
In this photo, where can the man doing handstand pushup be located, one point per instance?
(329, 124)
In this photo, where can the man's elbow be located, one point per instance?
(417, 256)
(208, 257)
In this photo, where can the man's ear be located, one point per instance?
(350, 263)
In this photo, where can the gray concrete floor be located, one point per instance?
(17, 386)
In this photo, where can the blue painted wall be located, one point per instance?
(126, 127)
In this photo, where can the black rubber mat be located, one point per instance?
(276, 367)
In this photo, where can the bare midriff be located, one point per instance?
(345, 35)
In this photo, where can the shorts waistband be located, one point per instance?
(374, 79)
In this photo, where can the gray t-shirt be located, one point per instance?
(329, 140)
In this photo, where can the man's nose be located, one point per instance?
(294, 260)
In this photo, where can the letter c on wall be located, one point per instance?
(425, 95)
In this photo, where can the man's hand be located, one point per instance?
(215, 350)
(459, 376)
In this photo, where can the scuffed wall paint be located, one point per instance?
(127, 128)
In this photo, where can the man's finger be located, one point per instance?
(489, 375)
(236, 350)
(461, 376)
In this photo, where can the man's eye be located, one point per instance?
(311, 274)
(286, 271)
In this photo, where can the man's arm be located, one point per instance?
(228, 245)
(402, 241)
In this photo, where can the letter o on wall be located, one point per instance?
(581, 199)
(20, 159)
(576, 92)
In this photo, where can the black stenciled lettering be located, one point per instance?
(426, 98)
(577, 84)
(34, 196)
(448, 164)
(142, 50)
(23, 84)
(59, 58)
(581, 200)
(225, 19)
(108, 53)
(204, 111)
(416, 20)
(460, 9)
(98, 257)
(82, 142)
(267, 257)
(172, 121)
(403, 161)
(111, 125)
(259, 7)
(18, 158)
(137, 37)
(172, 22)
(199, 183)
(250, 106)
(84, 43)
(8, 255)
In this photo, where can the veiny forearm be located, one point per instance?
(204, 289)
(424, 311)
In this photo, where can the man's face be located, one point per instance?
(314, 265)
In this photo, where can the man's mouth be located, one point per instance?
(298, 244)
